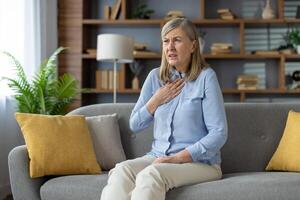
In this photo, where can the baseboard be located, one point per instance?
(4, 191)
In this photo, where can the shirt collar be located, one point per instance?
(176, 74)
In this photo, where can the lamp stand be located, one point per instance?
(115, 81)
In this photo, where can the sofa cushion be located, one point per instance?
(58, 145)
(78, 187)
(237, 186)
(286, 156)
(106, 138)
(243, 186)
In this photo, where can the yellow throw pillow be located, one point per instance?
(58, 145)
(287, 154)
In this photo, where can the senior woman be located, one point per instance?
(183, 99)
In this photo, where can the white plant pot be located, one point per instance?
(298, 49)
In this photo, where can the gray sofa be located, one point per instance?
(254, 133)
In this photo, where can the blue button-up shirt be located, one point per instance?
(194, 120)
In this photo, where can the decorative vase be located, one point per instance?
(135, 83)
(268, 12)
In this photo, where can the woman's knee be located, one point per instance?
(120, 169)
(150, 174)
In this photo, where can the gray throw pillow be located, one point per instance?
(105, 133)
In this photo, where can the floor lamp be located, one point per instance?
(117, 49)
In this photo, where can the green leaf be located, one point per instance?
(47, 94)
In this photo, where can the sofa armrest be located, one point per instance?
(22, 186)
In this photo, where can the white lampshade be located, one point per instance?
(115, 48)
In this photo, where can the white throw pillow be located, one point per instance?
(105, 133)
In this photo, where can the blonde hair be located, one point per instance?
(197, 60)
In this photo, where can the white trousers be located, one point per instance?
(139, 179)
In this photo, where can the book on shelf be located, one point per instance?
(110, 79)
(107, 12)
(226, 13)
(220, 51)
(287, 51)
(247, 87)
(98, 80)
(247, 77)
(265, 52)
(247, 82)
(91, 51)
(174, 14)
(145, 53)
(115, 10)
(105, 79)
(257, 69)
(139, 46)
(121, 77)
(222, 44)
(221, 48)
(223, 10)
(230, 17)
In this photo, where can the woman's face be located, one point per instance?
(178, 49)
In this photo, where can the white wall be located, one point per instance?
(10, 135)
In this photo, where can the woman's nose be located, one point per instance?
(171, 45)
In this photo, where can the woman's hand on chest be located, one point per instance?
(165, 94)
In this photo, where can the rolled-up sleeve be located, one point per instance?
(215, 121)
(140, 117)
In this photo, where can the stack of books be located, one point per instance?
(174, 14)
(105, 79)
(258, 69)
(225, 13)
(247, 82)
(141, 50)
(221, 48)
(112, 12)
(265, 52)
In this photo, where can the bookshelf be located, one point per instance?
(80, 21)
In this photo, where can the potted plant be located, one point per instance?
(47, 93)
(142, 12)
(293, 37)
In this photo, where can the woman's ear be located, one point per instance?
(193, 46)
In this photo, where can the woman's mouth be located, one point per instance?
(172, 56)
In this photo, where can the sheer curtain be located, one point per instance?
(20, 35)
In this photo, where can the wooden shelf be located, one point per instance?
(90, 56)
(99, 91)
(225, 91)
(270, 21)
(250, 56)
(292, 57)
(122, 22)
(217, 22)
(217, 56)
(261, 91)
(195, 21)
(78, 28)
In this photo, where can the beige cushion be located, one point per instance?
(105, 133)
